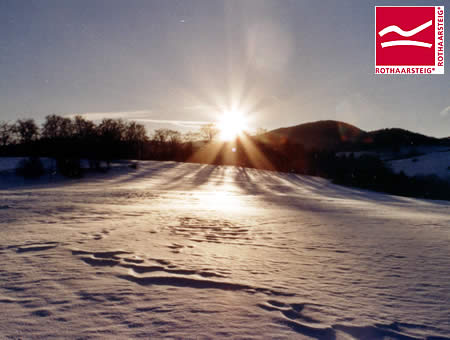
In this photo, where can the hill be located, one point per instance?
(396, 137)
(340, 136)
(326, 134)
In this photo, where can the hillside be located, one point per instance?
(340, 136)
(434, 162)
(326, 134)
(386, 138)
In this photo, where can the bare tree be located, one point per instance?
(27, 130)
(174, 137)
(6, 134)
(167, 143)
(160, 136)
(83, 127)
(135, 132)
(112, 129)
(209, 131)
(135, 135)
(57, 127)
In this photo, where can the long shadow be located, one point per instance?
(10, 181)
(319, 186)
(219, 174)
(147, 171)
(315, 188)
(244, 181)
(202, 176)
(188, 168)
(271, 182)
(193, 173)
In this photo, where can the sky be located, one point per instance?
(180, 63)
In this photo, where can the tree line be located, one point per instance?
(68, 140)
(109, 139)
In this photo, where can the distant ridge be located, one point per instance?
(324, 134)
(397, 136)
(336, 135)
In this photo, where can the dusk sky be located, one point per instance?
(178, 63)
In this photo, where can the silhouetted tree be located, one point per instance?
(83, 128)
(135, 132)
(27, 130)
(173, 137)
(167, 143)
(57, 127)
(209, 131)
(111, 133)
(6, 134)
(112, 130)
(160, 135)
(135, 137)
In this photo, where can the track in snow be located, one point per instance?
(189, 250)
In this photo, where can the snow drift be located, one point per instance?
(198, 251)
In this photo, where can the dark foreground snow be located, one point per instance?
(194, 251)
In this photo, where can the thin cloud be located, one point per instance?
(182, 123)
(139, 116)
(201, 108)
(445, 112)
(133, 115)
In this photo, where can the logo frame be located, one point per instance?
(429, 67)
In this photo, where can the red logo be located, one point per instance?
(409, 40)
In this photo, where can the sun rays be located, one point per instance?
(231, 124)
(233, 145)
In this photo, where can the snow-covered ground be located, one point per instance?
(431, 160)
(9, 164)
(400, 153)
(433, 163)
(196, 251)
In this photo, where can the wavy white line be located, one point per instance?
(405, 43)
(403, 33)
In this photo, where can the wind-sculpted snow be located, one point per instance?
(194, 251)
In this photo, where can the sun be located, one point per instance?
(231, 124)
